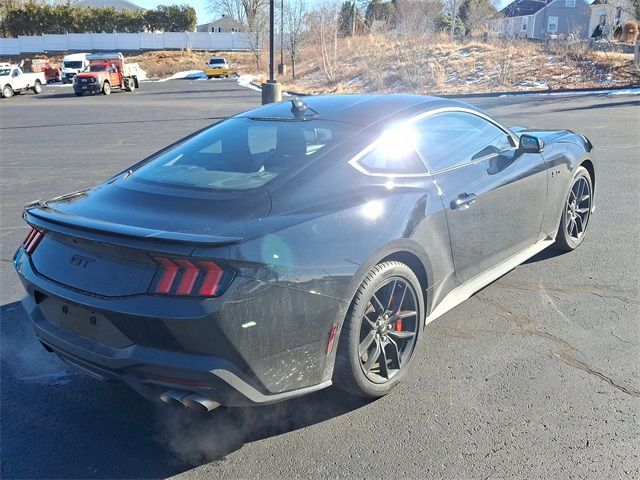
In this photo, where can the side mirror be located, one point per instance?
(530, 144)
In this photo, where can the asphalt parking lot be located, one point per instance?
(536, 376)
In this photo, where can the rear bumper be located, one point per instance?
(198, 345)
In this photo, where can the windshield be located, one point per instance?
(73, 64)
(216, 60)
(5, 71)
(97, 68)
(241, 153)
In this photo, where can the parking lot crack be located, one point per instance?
(624, 294)
(561, 350)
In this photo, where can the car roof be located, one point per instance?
(360, 109)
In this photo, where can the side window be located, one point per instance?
(447, 140)
(381, 161)
(262, 138)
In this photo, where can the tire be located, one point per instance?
(37, 87)
(7, 91)
(79, 94)
(59, 77)
(131, 85)
(576, 211)
(106, 88)
(364, 341)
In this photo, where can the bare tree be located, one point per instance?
(453, 6)
(245, 11)
(295, 26)
(325, 27)
(257, 32)
(414, 18)
(476, 13)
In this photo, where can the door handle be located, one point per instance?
(462, 201)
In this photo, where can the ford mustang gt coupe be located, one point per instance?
(296, 245)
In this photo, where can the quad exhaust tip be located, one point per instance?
(194, 401)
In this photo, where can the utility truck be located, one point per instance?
(106, 72)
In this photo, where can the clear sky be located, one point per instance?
(204, 16)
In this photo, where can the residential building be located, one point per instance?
(609, 14)
(224, 24)
(542, 19)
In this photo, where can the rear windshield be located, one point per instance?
(73, 64)
(241, 153)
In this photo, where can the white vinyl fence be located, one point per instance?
(88, 42)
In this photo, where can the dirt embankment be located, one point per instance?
(428, 65)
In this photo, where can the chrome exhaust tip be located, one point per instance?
(199, 402)
(174, 397)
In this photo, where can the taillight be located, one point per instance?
(33, 239)
(179, 276)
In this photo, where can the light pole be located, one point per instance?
(271, 89)
(282, 68)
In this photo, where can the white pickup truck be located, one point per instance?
(14, 80)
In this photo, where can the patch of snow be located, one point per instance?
(186, 75)
(622, 91)
(532, 84)
(142, 75)
(245, 81)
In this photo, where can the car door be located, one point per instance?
(114, 77)
(17, 79)
(493, 194)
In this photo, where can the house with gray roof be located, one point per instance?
(543, 19)
(224, 24)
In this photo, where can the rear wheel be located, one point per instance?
(106, 88)
(576, 211)
(131, 85)
(37, 87)
(7, 91)
(380, 332)
(79, 94)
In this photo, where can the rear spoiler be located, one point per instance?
(118, 234)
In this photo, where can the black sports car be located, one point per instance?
(296, 245)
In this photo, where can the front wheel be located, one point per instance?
(106, 88)
(79, 94)
(380, 332)
(576, 211)
(37, 88)
(7, 91)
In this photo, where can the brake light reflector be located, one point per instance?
(169, 273)
(211, 279)
(33, 239)
(179, 276)
(189, 275)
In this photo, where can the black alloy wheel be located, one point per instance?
(381, 331)
(576, 212)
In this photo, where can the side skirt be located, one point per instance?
(459, 294)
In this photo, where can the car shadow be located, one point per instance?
(551, 251)
(60, 424)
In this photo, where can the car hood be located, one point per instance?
(90, 74)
